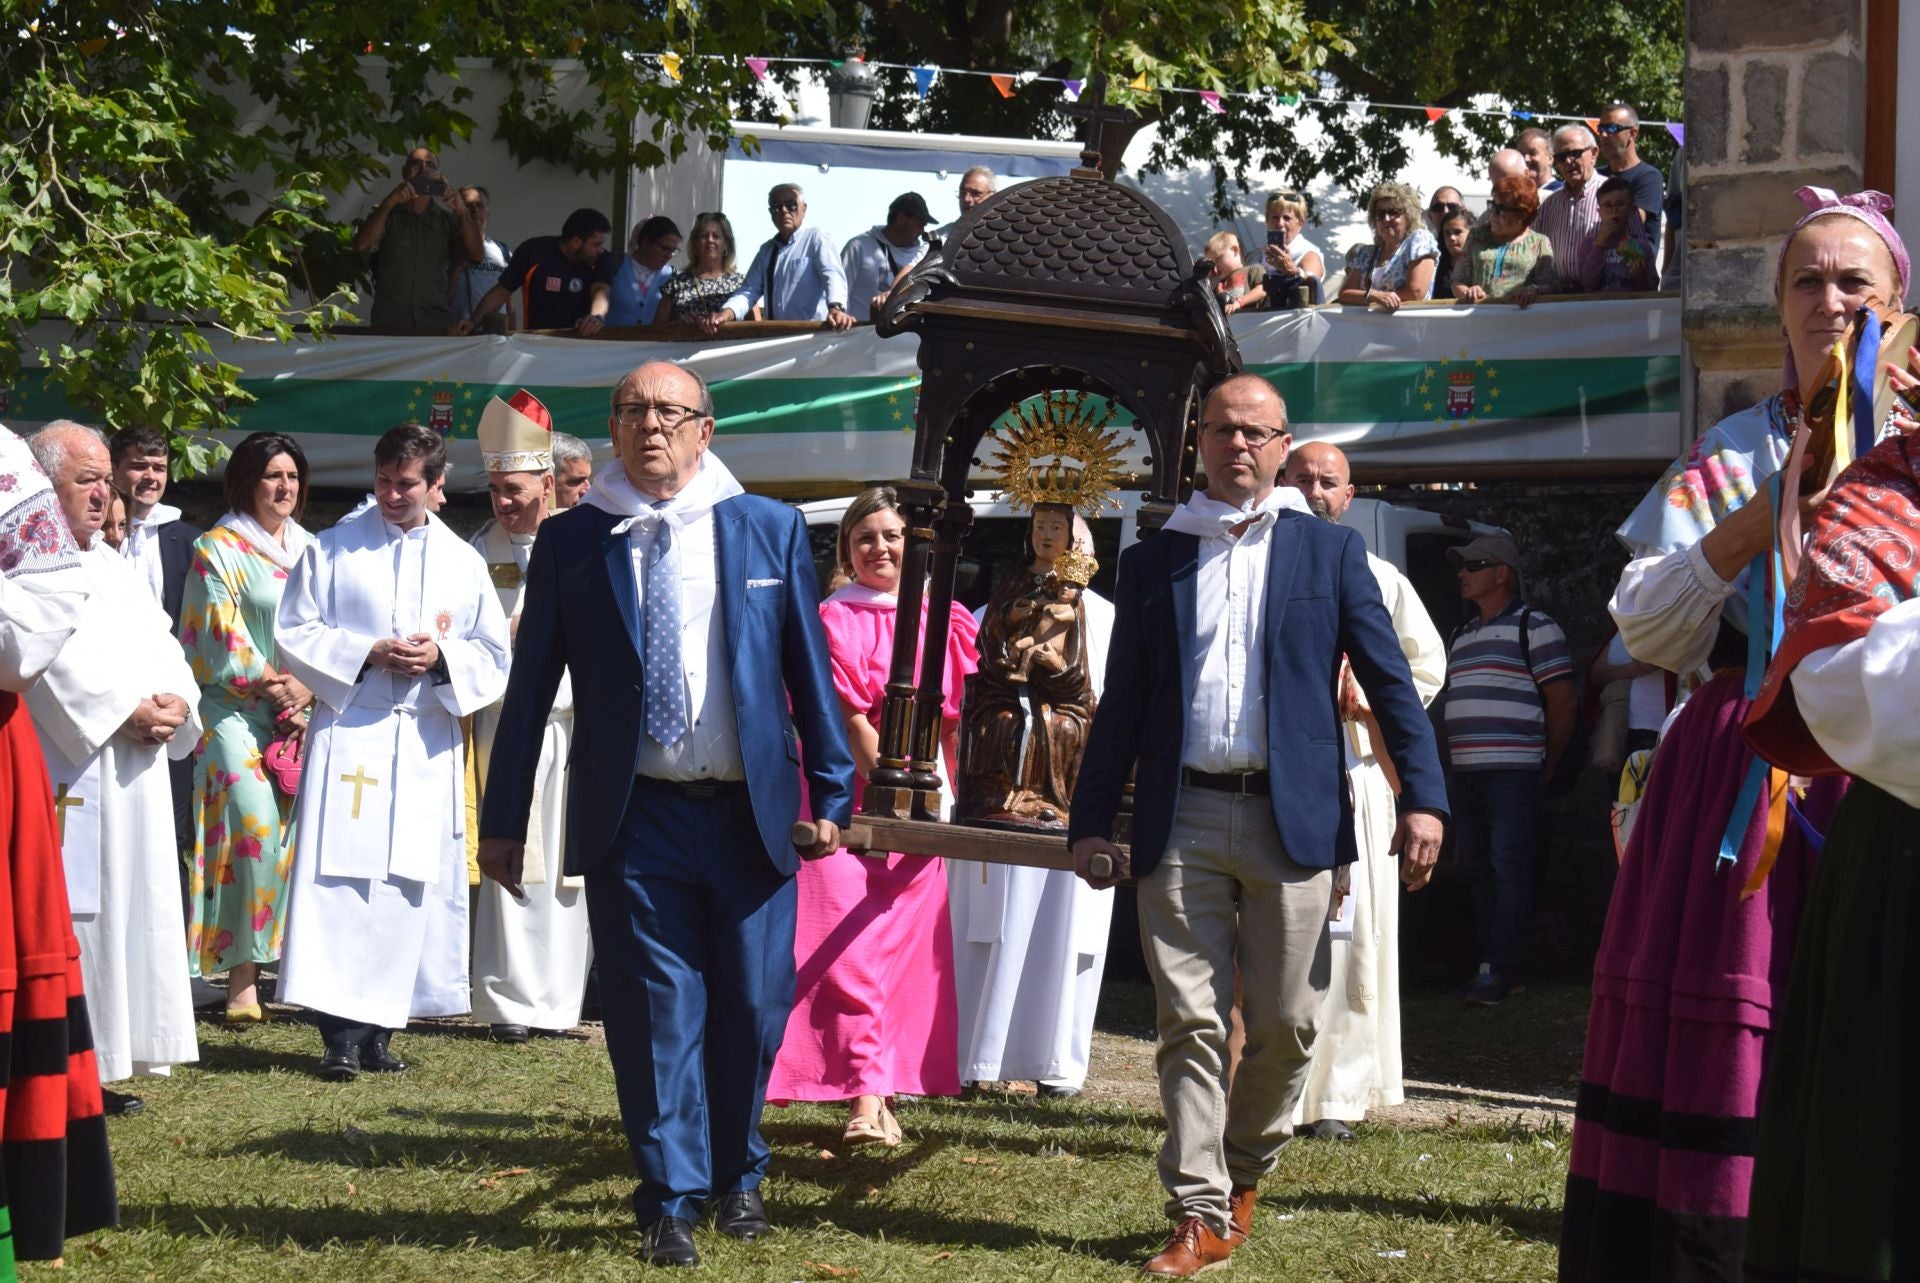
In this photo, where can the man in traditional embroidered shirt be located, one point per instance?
(391, 621)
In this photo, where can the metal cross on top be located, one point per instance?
(1093, 108)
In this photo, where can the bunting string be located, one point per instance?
(1010, 83)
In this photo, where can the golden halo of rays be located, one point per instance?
(1058, 448)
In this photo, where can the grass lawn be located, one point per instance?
(508, 1163)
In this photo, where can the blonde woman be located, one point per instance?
(1398, 264)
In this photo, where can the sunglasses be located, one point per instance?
(1513, 210)
(1481, 564)
(776, 206)
(1444, 207)
(1611, 128)
(1568, 157)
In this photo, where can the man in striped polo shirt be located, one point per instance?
(1510, 709)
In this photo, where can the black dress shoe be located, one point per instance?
(117, 1104)
(509, 1033)
(1324, 1129)
(741, 1215)
(341, 1064)
(1055, 1091)
(375, 1058)
(668, 1241)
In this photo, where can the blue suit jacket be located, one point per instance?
(1322, 601)
(580, 617)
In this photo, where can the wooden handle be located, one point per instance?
(1100, 865)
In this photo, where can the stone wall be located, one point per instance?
(1775, 100)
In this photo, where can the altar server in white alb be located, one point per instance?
(117, 704)
(530, 952)
(390, 620)
(1356, 1057)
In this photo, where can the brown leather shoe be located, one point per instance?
(1193, 1249)
(1240, 1199)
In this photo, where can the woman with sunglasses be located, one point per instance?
(710, 279)
(1399, 263)
(1506, 258)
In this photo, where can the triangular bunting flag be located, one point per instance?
(1290, 100)
(1004, 84)
(671, 63)
(759, 68)
(923, 80)
(1679, 133)
(1593, 123)
(1072, 88)
(1212, 100)
(1435, 115)
(1139, 82)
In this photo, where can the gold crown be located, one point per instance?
(1461, 378)
(1058, 450)
(1076, 567)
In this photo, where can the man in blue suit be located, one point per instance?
(1229, 628)
(686, 613)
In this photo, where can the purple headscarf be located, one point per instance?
(1871, 208)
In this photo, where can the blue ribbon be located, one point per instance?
(1866, 361)
(1765, 622)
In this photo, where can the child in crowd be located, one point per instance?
(1239, 286)
(114, 531)
(1453, 251)
(1617, 256)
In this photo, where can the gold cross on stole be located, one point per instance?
(61, 801)
(359, 779)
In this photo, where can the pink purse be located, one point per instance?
(282, 760)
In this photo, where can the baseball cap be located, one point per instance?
(913, 205)
(1494, 547)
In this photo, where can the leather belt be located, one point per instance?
(694, 790)
(1245, 783)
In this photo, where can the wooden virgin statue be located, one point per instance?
(1024, 723)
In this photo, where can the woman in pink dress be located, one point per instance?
(874, 1012)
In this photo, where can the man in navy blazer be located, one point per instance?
(1229, 630)
(686, 613)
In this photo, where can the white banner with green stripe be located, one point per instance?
(1561, 389)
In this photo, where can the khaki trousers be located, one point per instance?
(1225, 892)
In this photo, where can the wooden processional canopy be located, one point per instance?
(1055, 289)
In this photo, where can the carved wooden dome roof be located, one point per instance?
(1083, 237)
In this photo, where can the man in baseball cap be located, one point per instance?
(875, 259)
(1510, 710)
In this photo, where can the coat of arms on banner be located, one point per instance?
(1458, 390)
(1460, 394)
(446, 408)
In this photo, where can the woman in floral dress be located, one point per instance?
(243, 843)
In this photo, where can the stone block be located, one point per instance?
(1725, 392)
(1764, 85)
(1755, 206)
(1729, 277)
(1833, 106)
(1707, 111)
(1721, 26)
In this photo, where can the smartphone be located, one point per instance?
(429, 184)
(1277, 237)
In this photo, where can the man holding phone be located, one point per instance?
(414, 240)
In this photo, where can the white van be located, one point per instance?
(1413, 539)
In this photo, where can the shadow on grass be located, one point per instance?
(1538, 1223)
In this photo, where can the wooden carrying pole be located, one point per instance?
(879, 835)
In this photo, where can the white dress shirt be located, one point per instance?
(143, 545)
(1857, 700)
(1227, 720)
(1668, 607)
(710, 750)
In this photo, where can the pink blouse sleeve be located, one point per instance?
(850, 648)
(963, 657)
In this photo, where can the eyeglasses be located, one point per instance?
(1611, 128)
(1514, 210)
(1444, 207)
(1568, 157)
(1395, 212)
(776, 206)
(1224, 433)
(669, 417)
(1481, 564)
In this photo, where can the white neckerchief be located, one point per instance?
(1209, 518)
(614, 493)
(282, 552)
(141, 529)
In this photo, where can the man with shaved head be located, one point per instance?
(1356, 1058)
(683, 610)
(1233, 740)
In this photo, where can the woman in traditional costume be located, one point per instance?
(874, 1015)
(56, 1177)
(1834, 1183)
(243, 809)
(1697, 947)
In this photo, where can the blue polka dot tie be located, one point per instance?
(666, 680)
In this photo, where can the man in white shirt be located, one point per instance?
(875, 258)
(1567, 215)
(1229, 629)
(117, 704)
(390, 620)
